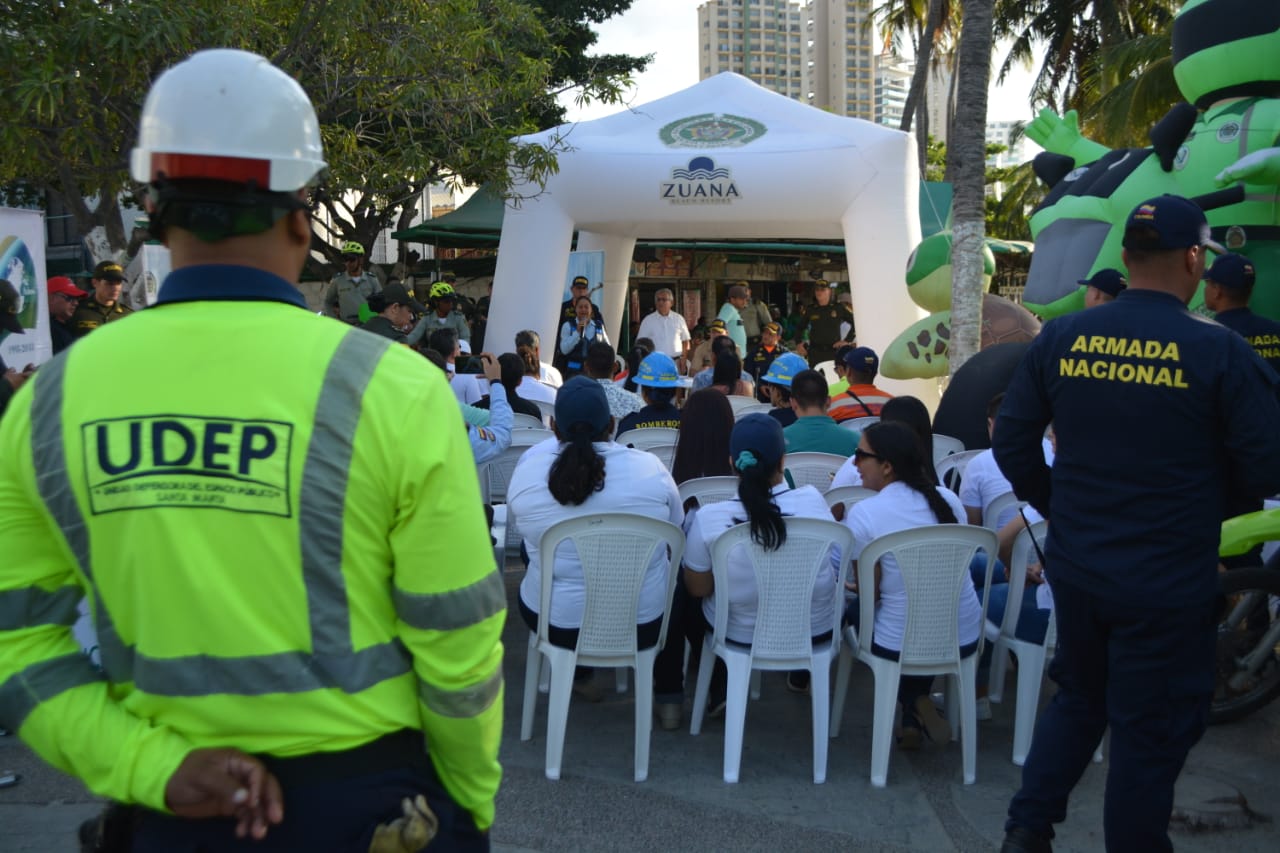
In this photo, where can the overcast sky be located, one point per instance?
(669, 30)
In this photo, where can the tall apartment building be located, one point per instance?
(821, 52)
(893, 84)
(1001, 133)
(763, 40)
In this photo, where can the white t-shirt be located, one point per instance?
(667, 333)
(847, 475)
(532, 389)
(466, 387)
(714, 519)
(899, 507)
(983, 482)
(634, 481)
(550, 375)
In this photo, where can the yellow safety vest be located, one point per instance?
(271, 564)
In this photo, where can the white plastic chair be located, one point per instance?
(945, 445)
(847, 496)
(646, 437)
(1031, 656)
(860, 424)
(740, 403)
(665, 452)
(495, 476)
(522, 421)
(548, 411)
(615, 550)
(998, 507)
(934, 563)
(811, 468)
(828, 370)
(709, 489)
(756, 408)
(783, 634)
(951, 468)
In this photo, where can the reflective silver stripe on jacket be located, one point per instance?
(467, 702)
(457, 608)
(33, 607)
(21, 692)
(332, 662)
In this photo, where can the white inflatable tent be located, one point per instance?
(724, 159)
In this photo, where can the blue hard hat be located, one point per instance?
(658, 370)
(784, 368)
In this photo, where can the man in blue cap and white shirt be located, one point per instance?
(1159, 414)
(1227, 287)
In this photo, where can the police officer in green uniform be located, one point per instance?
(352, 287)
(820, 323)
(443, 313)
(103, 304)
(762, 355)
(395, 309)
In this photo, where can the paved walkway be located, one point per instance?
(686, 807)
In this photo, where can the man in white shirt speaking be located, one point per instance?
(667, 329)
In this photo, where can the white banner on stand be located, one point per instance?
(22, 263)
(156, 265)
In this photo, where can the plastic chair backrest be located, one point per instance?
(646, 437)
(615, 550)
(951, 468)
(738, 402)
(757, 408)
(999, 507)
(548, 410)
(828, 370)
(665, 452)
(861, 423)
(495, 475)
(945, 445)
(934, 563)
(1023, 554)
(785, 581)
(526, 437)
(520, 420)
(709, 489)
(848, 495)
(810, 468)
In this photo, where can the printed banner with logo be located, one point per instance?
(22, 264)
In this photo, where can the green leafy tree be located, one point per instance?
(408, 92)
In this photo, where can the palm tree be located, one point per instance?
(966, 150)
(1069, 35)
(930, 24)
(1129, 87)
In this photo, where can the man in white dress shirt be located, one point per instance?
(667, 329)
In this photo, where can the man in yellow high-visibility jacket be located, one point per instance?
(280, 617)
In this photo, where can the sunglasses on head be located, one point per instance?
(860, 454)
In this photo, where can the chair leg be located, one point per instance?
(819, 696)
(644, 711)
(842, 687)
(999, 666)
(532, 670)
(967, 690)
(886, 700)
(1027, 704)
(703, 686)
(620, 679)
(562, 667)
(952, 694)
(735, 713)
(755, 683)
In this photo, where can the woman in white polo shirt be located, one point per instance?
(890, 460)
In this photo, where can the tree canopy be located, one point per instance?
(409, 92)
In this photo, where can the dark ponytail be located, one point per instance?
(728, 371)
(896, 443)
(768, 530)
(579, 469)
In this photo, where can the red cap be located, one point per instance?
(62, 284)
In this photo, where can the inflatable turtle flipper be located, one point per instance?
(1061, 135)
(922, 351)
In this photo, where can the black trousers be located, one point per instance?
(332, 803)
(1146, 673)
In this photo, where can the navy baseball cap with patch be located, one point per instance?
(1168, 222)
(581, 401)
(1109, 281)
(756, 440)
(1232, 271)
(862, 359)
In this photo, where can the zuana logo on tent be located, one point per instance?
(701, 183)
(711, 130)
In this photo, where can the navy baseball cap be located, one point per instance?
(1232, 271)
(863, 360)
(756, 440)
(1109, 281)
(1172, 221)
(581, 401)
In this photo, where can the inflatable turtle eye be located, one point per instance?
(911, 259)
(1225, 48)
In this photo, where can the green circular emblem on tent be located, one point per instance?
(711, 130)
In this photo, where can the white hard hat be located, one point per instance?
(229, 115)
